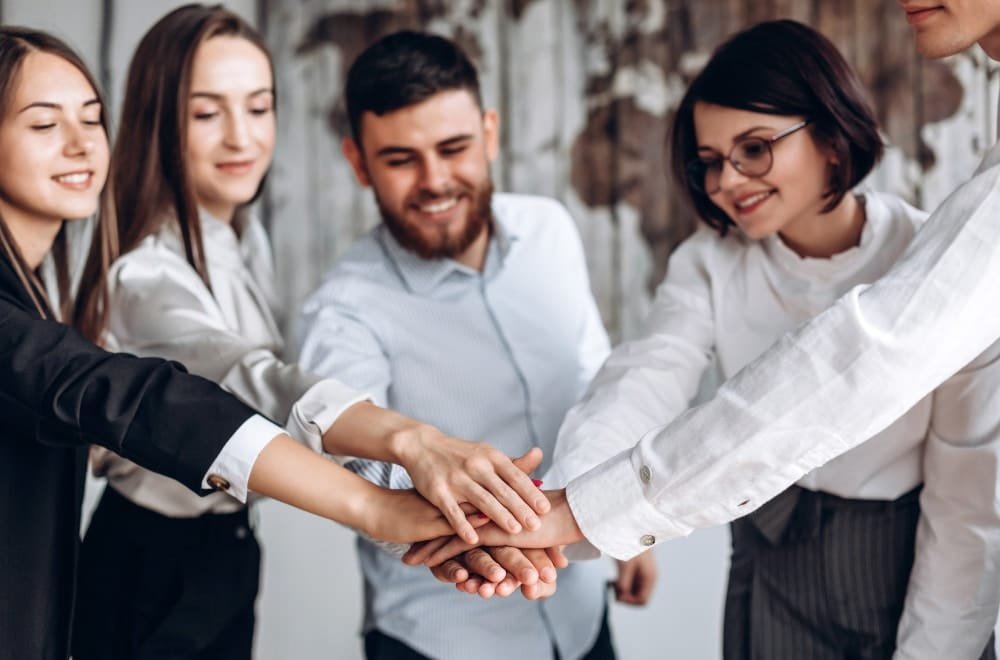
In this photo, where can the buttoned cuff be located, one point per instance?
(316, 411)
(611, 509)
(231, 469)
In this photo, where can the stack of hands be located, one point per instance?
(507, 533)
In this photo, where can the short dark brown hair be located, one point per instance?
(403, 69)
(782, 68)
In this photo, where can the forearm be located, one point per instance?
(368, 431)
(290, 473)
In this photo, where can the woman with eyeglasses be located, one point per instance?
(768, 145)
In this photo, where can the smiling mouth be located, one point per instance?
(442, 206)
(235, 167)
(750, 203)
(75, 179)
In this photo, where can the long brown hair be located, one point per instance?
(88, 312)
(151, 180)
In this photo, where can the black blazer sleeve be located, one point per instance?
(58, 388)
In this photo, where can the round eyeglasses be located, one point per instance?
(750, 156)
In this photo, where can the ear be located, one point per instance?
(491, 133)
(352, 152)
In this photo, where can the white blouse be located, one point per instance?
(733, 298)
(160, 306)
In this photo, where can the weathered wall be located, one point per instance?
(586, 89)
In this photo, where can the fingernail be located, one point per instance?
(548, 575)
(537, 482)
(532, 522)
(514, 526)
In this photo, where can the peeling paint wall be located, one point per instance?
(586, 91)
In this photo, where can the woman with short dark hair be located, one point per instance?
(768, 145)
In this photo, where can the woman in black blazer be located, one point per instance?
(59, 392)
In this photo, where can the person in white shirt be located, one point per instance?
(162, 570)
(767, 143)
(828, 386)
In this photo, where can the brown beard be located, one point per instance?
(439, 245)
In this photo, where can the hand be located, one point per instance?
(404, 516)
(558, 528)
(636, 579)
(501, 570)
(449, 472)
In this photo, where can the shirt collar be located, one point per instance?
(422, 276)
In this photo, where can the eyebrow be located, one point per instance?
(398, 151)
(55, 106)
(739, 136)
(219, 97)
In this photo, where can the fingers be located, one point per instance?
(515, 474)
(419, 552)
(530, 461)
(539, 590)
(514, 496)
(481, 563)
(451, 571)
(490, 506)
(516, 563)
(453, 547)
(453, 513)
(636, 580)
(557, 557)
(542, 563)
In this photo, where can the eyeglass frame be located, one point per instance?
(695, 164)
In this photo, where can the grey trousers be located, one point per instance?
(818, 577)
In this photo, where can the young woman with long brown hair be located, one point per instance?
(59, 392)
(195, 283)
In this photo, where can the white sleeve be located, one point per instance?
(954, 590)
(159, 307)
(818, 392)
(648, 381)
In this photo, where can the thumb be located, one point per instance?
(530, 461)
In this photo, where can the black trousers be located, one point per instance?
(153, 587)
(817, 576)
(379, 646)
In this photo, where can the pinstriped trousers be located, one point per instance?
(818, 577)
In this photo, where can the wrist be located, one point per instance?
(406, 444)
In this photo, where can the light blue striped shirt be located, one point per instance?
(498, 356)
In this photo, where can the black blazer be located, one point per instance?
(59, 393)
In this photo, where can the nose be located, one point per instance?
(81, 139)
(237, 133)
(435, 175)
(730, 177)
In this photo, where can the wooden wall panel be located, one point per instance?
(586, 90)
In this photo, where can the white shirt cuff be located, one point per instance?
(612, 510)
(231, 469)
(316, 411)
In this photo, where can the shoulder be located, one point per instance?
(357, 274)
(157, 258)
(897, 211)
(532, 214)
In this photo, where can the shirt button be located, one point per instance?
(645, 474)
(241, 532)
(647, 540)
(217, 482)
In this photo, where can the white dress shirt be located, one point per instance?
(159, 306)
(498, 355)
(732, 297)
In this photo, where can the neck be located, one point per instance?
(991, 43)
(474, 256)
(33, 236)
(826, 234)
